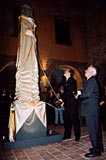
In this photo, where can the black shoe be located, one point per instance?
(91, 155)
(77, 139)
(91, 149)
(64, 138)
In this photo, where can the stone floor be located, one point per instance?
(65, 150)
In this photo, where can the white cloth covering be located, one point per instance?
(27, 97)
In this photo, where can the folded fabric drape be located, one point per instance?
(27, 97)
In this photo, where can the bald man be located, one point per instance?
(90, 110)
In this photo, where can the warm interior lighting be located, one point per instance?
(44, 80)
(44, 63)
(44, 69)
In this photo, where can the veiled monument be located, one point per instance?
(27, 123)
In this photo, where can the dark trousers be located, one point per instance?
(71, 118)
(94, 131)
(50, 112)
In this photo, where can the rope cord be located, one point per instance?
(45, 74)
(53, 106)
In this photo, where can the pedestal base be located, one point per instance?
(50, 138)
(32, 133)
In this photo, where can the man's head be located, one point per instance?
(45, 89)
(68, 73)
(90, 71)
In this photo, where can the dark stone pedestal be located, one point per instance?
(32, 133)
(52, 138)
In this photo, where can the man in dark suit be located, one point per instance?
(71, 114)
(90, 110)
(49, 110)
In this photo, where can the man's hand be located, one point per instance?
(102, 102)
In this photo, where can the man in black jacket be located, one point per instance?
(71, 114)
(90, 110)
